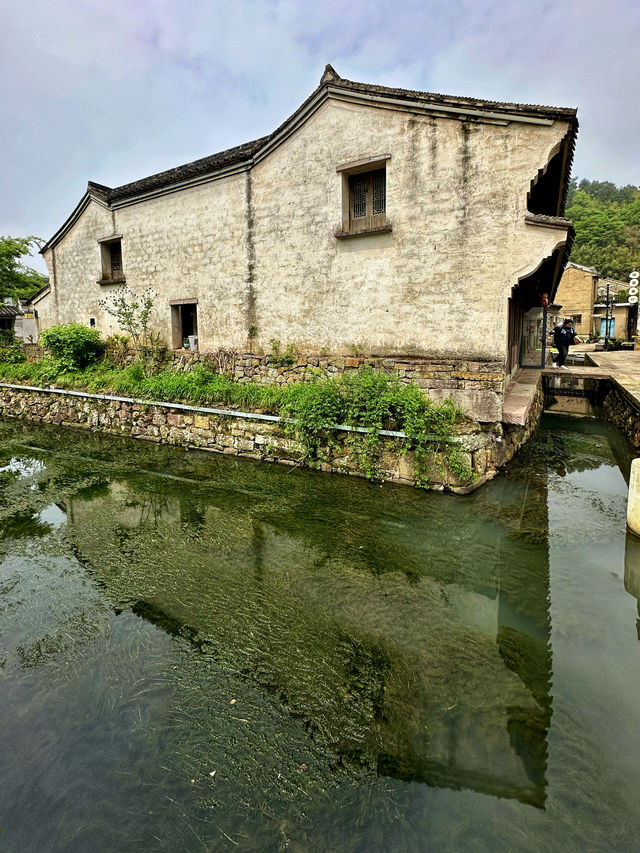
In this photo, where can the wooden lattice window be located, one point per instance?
(115, 252)
(367, 200)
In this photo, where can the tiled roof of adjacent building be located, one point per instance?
(592, 270)
(9, 311)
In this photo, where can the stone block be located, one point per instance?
(482, 406)
(201, 422)
(480, 461)
(485, 377)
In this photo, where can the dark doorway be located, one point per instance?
(184, 325)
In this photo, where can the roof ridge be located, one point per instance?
(457, 99)
(246, 150)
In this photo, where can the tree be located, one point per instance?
(16, 279)
(132, 313)
(607, 221)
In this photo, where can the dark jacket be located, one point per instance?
(563, 336)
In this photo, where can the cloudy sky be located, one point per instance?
(112, 90)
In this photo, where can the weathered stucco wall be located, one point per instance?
(74, 269)
(484, 449)
(436, 286)
(258, 248)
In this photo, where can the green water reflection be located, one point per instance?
(205, 653)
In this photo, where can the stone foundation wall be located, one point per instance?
(516, 437)
(476, 386)
(624, 412)
(483, 448)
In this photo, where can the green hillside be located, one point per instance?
(607, 221)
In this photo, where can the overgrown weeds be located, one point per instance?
(369, 399)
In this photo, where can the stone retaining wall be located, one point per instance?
(476, 386)
(623, 411)
(483, 448)
(516, 437)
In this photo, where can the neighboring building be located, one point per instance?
(22, 319)
(582, 294)
(403, 225)
(576, 294)
(10, 317)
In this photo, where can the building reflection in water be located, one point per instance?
(409, 631)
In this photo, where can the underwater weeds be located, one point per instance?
(368, 399)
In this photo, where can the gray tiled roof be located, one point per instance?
(330, 78)
(9, 311)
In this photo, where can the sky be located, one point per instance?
(113, 90)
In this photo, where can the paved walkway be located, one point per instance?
(622, 367)
(519, 396)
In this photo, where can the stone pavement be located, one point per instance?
(519, 396)
(624, 369)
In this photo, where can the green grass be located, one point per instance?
(200, 387)
(370, 399)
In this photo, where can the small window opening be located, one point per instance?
(115, 254)
(92, 322)
(111, 255)
(184, 325)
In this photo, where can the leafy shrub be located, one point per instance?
(73, 346)
(375, 401)
(11, 351)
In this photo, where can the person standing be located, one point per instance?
(564, 336)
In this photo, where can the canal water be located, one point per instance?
(200, 653)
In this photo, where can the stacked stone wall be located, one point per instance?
(484, 448)
(624, 412)
(516, 437)
(476, 386)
